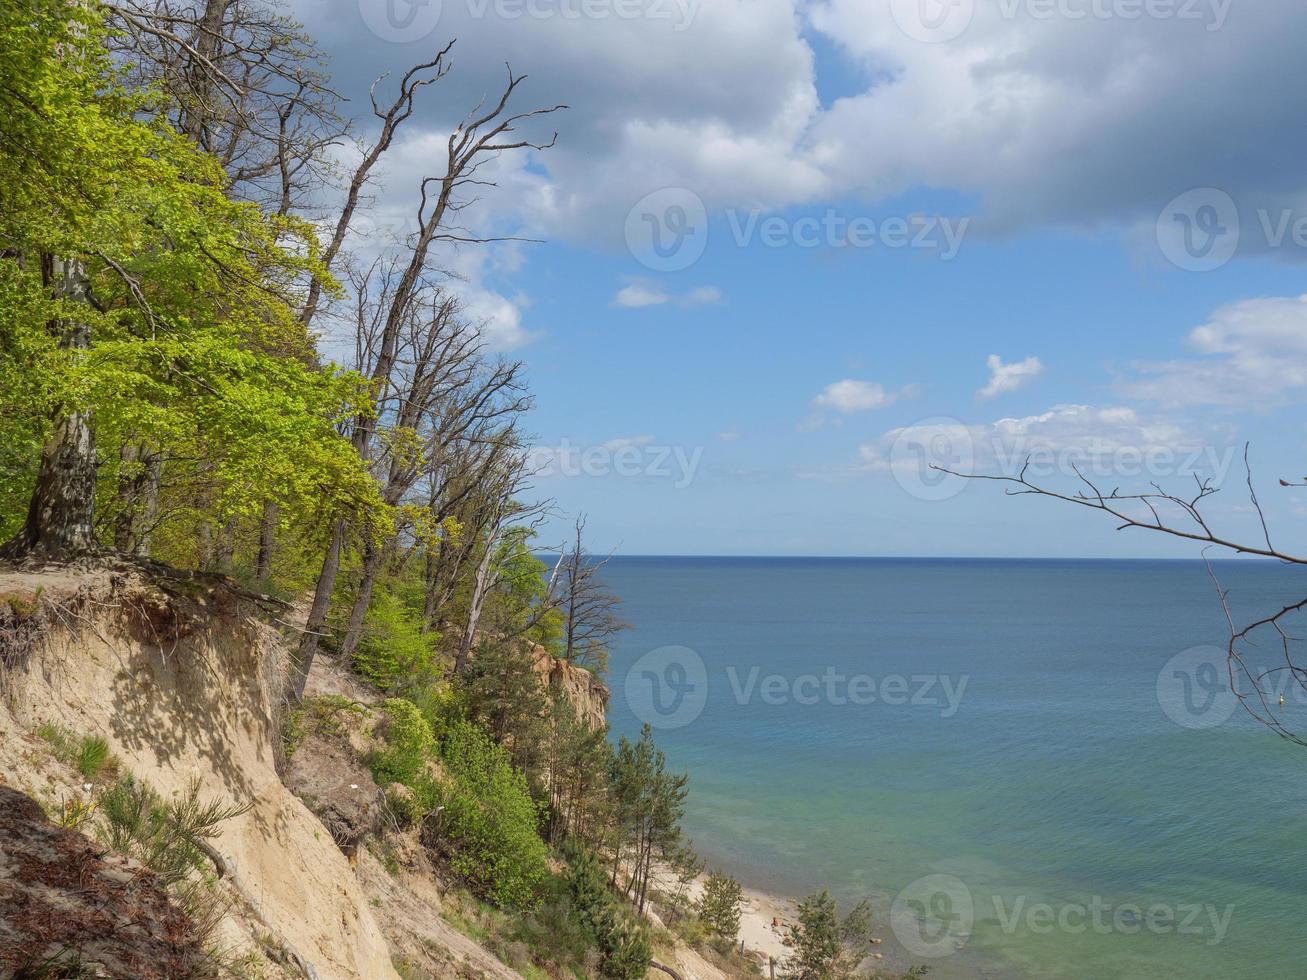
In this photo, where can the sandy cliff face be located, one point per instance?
(183, 684)
(587, 694)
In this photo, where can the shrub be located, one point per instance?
(625, 947)
(620, 938)
(88, 754)
(393, 648)
(555, 930)
(317, 716)
(409, 744)
(163, 836)
(92, 756)
(488, 827)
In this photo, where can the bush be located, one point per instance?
(625, 947)
(488, 827)
(393, 649)
(621, 939)
(555, 931)
(409, 744)
(317, 716)
(163, 836)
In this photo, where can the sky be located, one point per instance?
(788, 255)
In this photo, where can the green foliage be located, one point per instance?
(394, 651)
(194, 343)
(621, 939)
(488, 828)
(625, 947)
(317, 716)
(555, 930)
(409, 744)
(163, 836)
(88, 754)
(92, 756)
(719, 905)
(503, 694)
(827, 948)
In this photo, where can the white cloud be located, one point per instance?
(639, 293)
(1250, 353)
(850, 396)
(1112, 445)
(1009, 377)
(730, 435)
(1084, 120)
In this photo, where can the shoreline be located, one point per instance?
(765, 920)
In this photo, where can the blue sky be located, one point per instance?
(777, 398)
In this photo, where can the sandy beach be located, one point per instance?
(764, 918)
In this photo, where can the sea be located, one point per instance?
(1030, 769)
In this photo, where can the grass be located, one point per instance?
(88, 754)
(23, 605)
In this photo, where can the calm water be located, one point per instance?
(1095, 837)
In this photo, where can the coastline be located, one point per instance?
(765, 921)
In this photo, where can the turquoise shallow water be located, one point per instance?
(1095, 829)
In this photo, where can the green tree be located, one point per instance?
(826, 948)
(140, 303)
(649, 802)
(719, 905)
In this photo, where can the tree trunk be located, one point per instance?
(317, 621)
(480, 586)
(267, 537)
(131, 484)
(61, 515)
(373, 557)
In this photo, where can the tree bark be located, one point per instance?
(61, 515)
(267, 538)
(373, 557)
(317, 621)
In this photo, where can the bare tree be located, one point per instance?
(589, 609)
(505, 517)
(1181, 516)
(447, 394)
(481, 136)
(246, 84)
